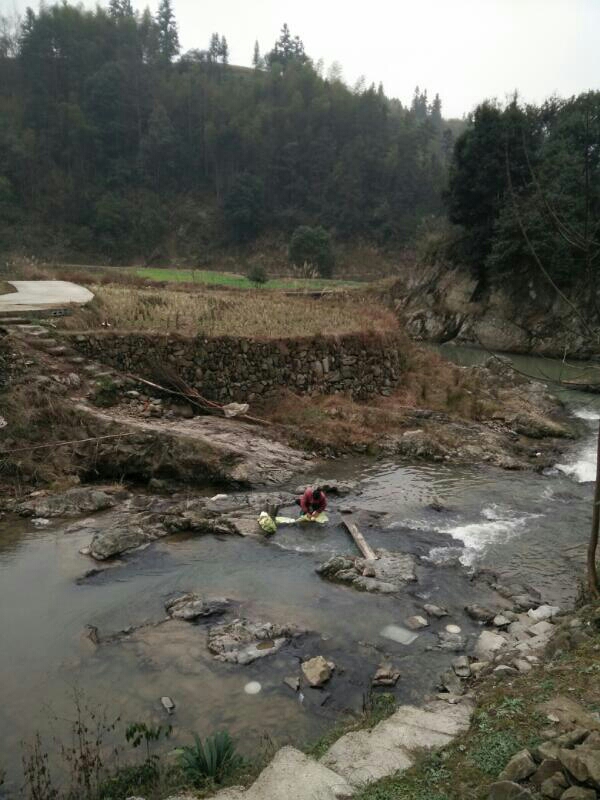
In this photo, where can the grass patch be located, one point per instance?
(231, 280)
(6, 288)
(251, 313)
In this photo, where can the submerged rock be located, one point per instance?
(480, 613)
(167, 704)
(317, 671)
(243, 641)
(386, 675)
(454, 642)
(389, 573)
(416, 623)
(191, 606)
(435, 611)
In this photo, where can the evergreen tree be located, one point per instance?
(168, 37)
(224, 51)
(257, 61)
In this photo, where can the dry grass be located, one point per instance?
(253, 313)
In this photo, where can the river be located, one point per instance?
(529, 526)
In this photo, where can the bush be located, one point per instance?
(244, 207)
(256, 274)
(214, 760)
(312, 247)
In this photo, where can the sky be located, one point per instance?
(465, 50)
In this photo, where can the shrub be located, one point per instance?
(244, 207)
(256, 274)
(312, 247)
(214, 760)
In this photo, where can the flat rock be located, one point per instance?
(243, 641)
(461, 666)
(488, 644)
(80, 500)
(520, 767)
(191, 606)
(507, 790)
(291, 774)
(579, 793)
(389, 573)
(317, 671)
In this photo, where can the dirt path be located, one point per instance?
(40, 295)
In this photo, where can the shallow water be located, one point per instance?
(531, 526)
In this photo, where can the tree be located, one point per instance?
(117, 9)
(257, 59)
(224, 51)
(244, 207)
(287, 50)
(312, 246)
(168, 37)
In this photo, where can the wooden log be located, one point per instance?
(360, 541)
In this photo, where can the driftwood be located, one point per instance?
(360, 541)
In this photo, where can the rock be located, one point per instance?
(480, 613)
(520, 767)
(554, 786)
(389, 573)
(243, 641)
(546, 769)
(454, 642)
(293, 683)
(503, 671)
(435, 611)
(522, 665)
(80, 500)
(593, 741)
(543, 612)
(451, 683)
(416, 623)
(524, 602)
(479, 666)
(500, 621)
(569, 713)
(461, 666)
(191, 606)
(583, 764)
(507, 790)
(399, 634)
(291, 774)
(579, 793)
(542, 628)
(167, 704)
(488, 644)
(386, 675)
(317, 671)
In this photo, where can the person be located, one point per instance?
(313, 502)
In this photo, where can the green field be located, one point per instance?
(239, 281)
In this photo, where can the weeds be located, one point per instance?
(214, 760)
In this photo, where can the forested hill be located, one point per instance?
(113, 144)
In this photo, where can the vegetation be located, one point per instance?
(311, 247)
(115, 146)
(210, 762)
(526, 168)
(6, 288)
(233, 281)
(224, 313)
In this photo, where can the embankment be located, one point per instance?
(245, 369)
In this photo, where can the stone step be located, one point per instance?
(365, 756)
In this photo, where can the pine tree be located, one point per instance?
(257, 61)
(120, 8)
(224, 51)
(168, 38)
(214, 48)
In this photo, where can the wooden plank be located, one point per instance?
(360, 541)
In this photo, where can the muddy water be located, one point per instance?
(531, 526)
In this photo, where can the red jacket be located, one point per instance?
(309, 505)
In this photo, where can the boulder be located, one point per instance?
(451, 683)
(191, 606)
(317, 671)
(507, 790)
(435, 611)
(488, 644)
(461, 666)
(416, 623)
(390, 572)
(546, 769)
(500, 621)
(543, 612)
(578, 793)
(243, 641)
(520, 767)
(554, 786)
(542, 628)
(480, 613)
(582, 764)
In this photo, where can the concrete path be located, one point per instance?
(40, 295)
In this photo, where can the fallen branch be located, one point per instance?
(360, 541)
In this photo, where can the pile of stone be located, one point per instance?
(389, 573)
(565, 767)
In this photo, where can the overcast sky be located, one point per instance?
(466, 50)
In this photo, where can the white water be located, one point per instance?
(583, 469)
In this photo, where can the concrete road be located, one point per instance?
(40, 295)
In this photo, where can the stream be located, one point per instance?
(528, 526)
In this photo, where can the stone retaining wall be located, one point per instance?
(235, 369)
